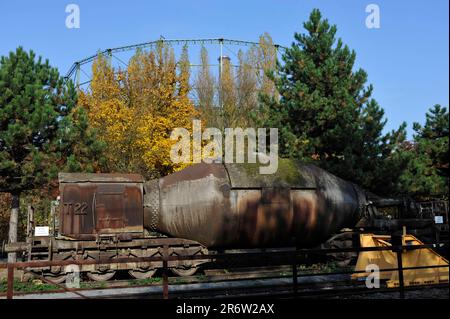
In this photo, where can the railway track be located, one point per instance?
(262, 284)
(211, 275)
(246, 289)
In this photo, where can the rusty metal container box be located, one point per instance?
(96, 204)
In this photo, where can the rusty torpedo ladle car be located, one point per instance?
(231, 205)
(201, 208)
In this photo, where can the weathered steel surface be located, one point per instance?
(94, 204)
(222, 205)
(288, 175)
(104, 178)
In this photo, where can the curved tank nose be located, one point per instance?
(231, 205)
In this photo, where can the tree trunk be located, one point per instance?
(13, 220)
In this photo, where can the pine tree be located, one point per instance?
(434, 137)
(40, 127)
(325, 112)
(427, 172)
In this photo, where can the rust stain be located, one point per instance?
(104, 205)
(103, 177)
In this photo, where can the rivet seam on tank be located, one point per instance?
(153, 204)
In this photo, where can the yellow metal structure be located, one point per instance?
(410, 258)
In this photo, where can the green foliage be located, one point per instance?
(5, 200)
(146, 281)
(79, 144)
(433, 138)
(42, 132)
(325, 113)
(427, 173)
(41, 129)
(28, 286)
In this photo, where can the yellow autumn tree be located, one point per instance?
(228, 94)
(266, 59)
(205, 86)
(231, 99)
(136, 109)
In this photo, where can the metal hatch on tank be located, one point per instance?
(232, 205)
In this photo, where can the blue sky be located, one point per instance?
(407, 59)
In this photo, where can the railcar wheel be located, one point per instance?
(101, 276)
(57, 278)
(184, 272)
(141, 273)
